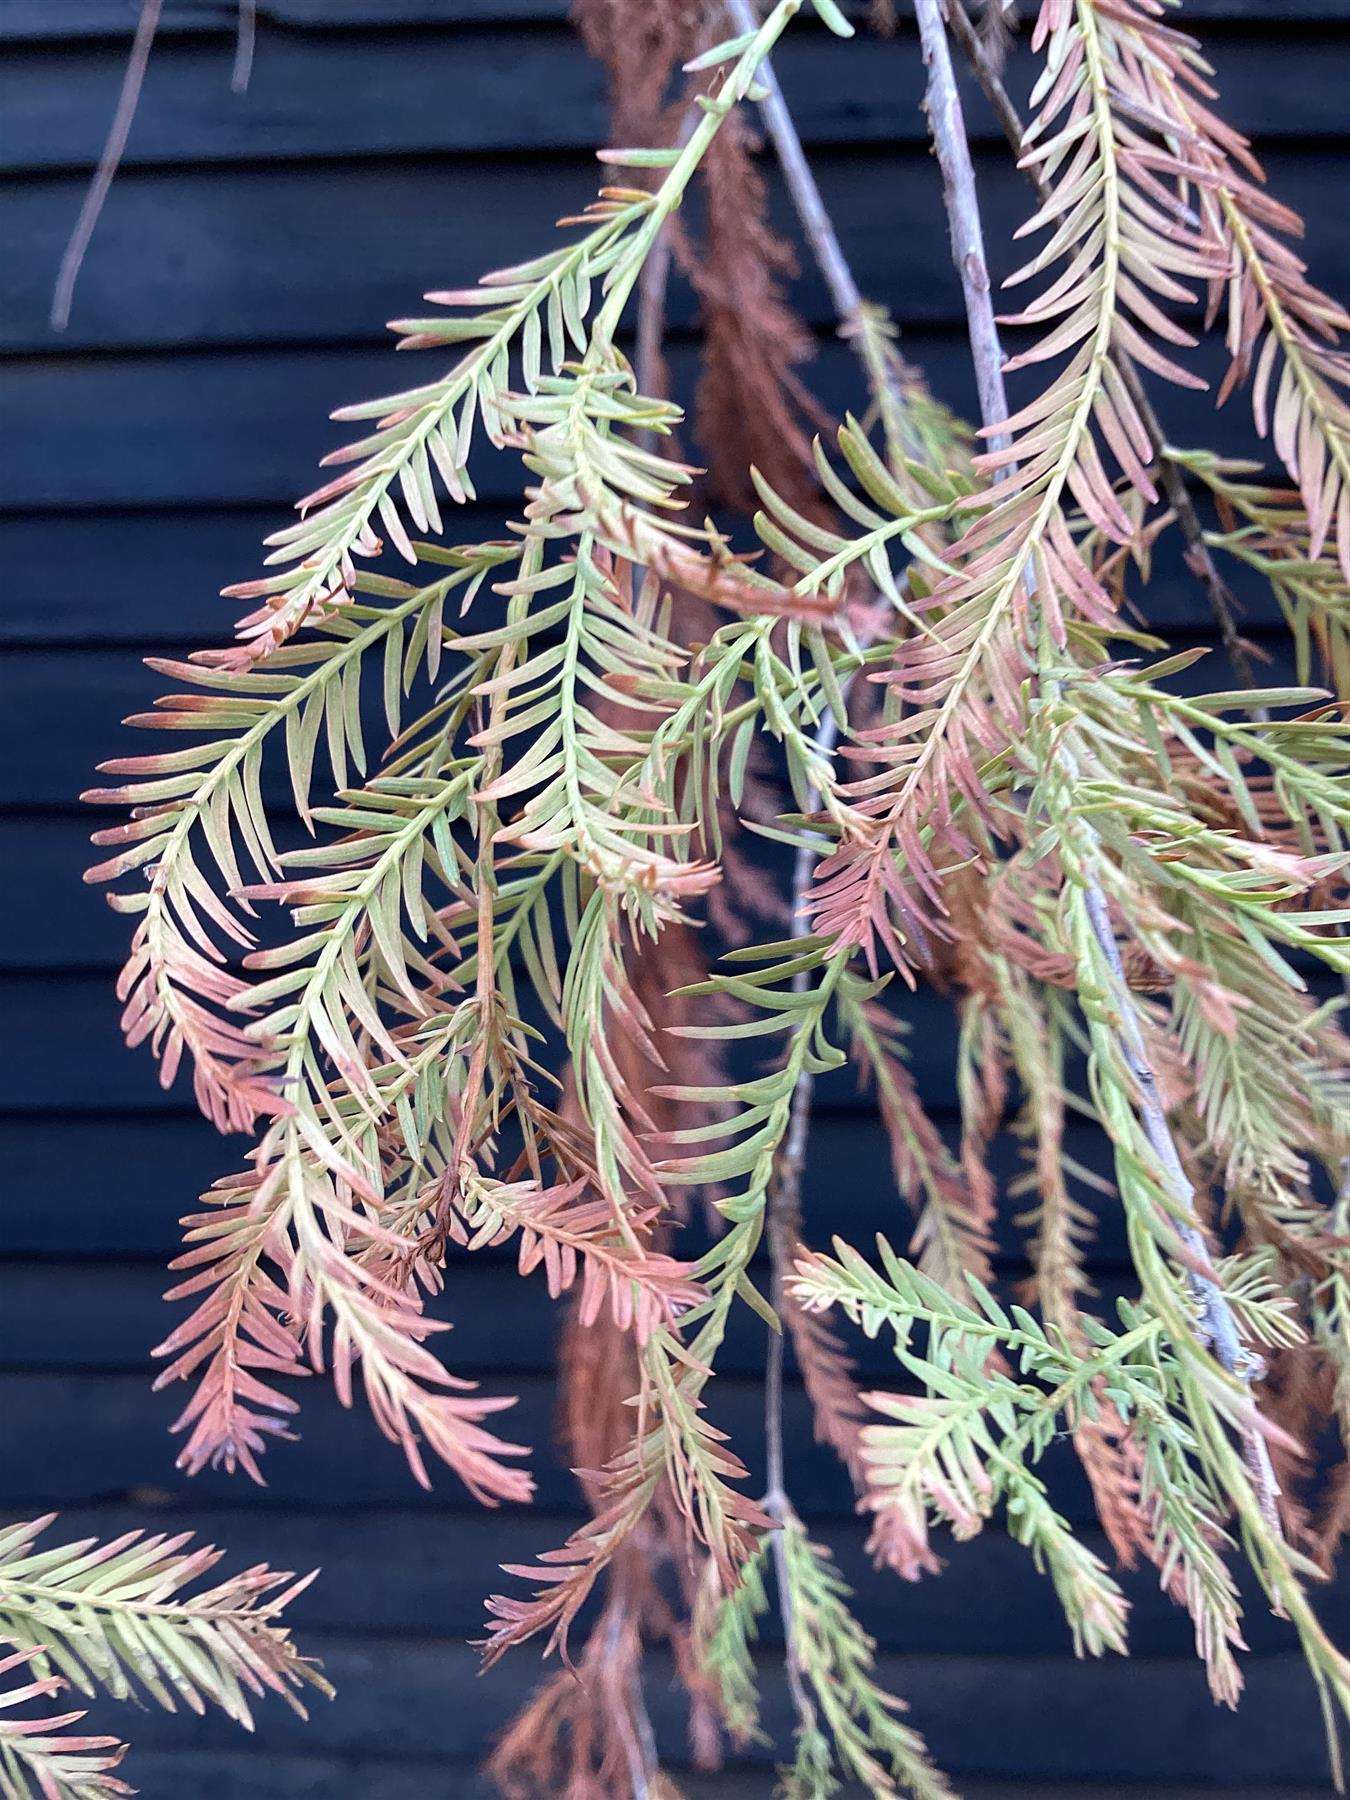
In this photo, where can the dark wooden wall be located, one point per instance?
(235, 292)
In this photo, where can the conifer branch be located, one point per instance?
(914, 426)
(130, 1617)
(981, 789)
(1219, 1329)
(1199, 556)
(39, 1757)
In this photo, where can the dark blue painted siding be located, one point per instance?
(234, 293)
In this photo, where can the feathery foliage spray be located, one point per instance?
(927, 683)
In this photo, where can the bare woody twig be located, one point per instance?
(806, 196)
(1218, 1326)
(114, 147)
(244, 42)
(147, 24)
(851, 309)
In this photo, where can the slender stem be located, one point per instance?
(947, 124)
(850, 308)
(245, 39)
(649, 366)
(653, 285)
(713, 112)
(1199, 557)
(958, 173)
(806, 198)
(147, 24)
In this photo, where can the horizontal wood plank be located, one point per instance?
(164, 1775)
(59, 1039)
(89, 693)
(328, 252)
(55, 19)
(115, 1186)
(420, 1574)
(1028, 1717)
(86, 1315)
(151, 581)
(247, 428)
(141, 578)
(37, 20)
(56, 100)
(83, 1438)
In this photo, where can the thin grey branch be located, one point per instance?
(114, 147)
(246, 36)
(1219, 1328)
(946, 122)
(850, 308)
(133, 78)
(806, 196)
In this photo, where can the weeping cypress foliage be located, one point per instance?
(993, 777)
(129, 1618)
